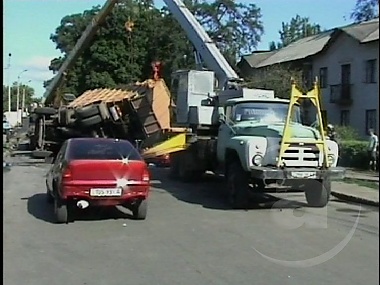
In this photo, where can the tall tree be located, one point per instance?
(298, 28)
(118, 56)
(278, 78)
(365, 10)
(29, 96)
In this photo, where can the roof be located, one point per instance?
(363, 32)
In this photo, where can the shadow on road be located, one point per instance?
(209, 193)
(38, 207)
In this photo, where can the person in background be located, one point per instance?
(373, 144)
(331, 133)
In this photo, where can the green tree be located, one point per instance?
(278, 78)
(298, 28)
(365, 10)
(29, 96)
(117, 56)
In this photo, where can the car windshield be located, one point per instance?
(263, 112)
(103, 150)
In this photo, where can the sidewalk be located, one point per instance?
(362, 175)
(355, 193)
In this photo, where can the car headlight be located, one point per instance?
(257, 160)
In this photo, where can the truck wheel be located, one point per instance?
(140, 210)
(174, 166)
(237, 186)
(318, 192)
(88, 122)
(87, 111)
(103, 111)
(48, 111)
(185, 173)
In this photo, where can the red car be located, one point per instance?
(97, 172)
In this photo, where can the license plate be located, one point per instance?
(304, 174)
(105, 192)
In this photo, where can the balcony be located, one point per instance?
(341, 94)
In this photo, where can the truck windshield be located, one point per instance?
(263, 112)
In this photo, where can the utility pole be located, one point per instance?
(9, 83)
(23, 99)
(18, 94)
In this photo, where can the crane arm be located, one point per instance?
(81, 44)
(203, 44)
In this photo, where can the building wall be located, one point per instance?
(365, 96)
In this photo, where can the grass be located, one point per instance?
(363, 183)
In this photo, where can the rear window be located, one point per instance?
(102, 149)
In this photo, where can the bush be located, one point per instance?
(346, 133)
(353, 153)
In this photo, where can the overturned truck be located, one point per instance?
(139, 113)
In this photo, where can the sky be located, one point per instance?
(28, 24)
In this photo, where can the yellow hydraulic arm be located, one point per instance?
(174, 144)
(287, 139)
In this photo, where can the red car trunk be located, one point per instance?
(106, 170)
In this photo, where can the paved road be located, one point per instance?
(190, 237)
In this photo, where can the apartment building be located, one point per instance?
(346, 61)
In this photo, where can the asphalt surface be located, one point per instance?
(190, 237)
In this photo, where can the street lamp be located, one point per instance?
(23, 99)
(18, 94)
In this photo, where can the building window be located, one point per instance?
(370, 119)
(345, 118)
(323, 77)
(370, 71)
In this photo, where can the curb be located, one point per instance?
(355, 199)
(375, 180)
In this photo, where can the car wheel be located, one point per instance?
(88, 122)
(237, 186)
(49, 197)
(140, 210)
(61, 212)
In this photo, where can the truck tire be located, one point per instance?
(87, 111)
(103, 111)
(186, 171)
(91, 121)
(237, 186)
(48, 111)
(174, 166)
(317, 192)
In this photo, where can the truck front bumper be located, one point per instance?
(336, 173)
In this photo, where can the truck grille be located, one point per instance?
(306, 155)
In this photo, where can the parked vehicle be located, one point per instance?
(97, 172)
(160, 161)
